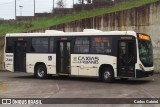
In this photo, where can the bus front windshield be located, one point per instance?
(146, 52)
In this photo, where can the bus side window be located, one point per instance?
(40, 45)
(81, 45)
(101, 45)
(51, 48)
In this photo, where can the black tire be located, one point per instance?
(40, 72)
(107, 75)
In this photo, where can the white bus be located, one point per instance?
(107, 55)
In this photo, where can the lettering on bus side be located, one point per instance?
(9, 58)
(86, 60)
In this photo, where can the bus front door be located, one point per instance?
(126, 58)
(20, 56)
(63, 57)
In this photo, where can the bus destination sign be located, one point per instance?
(143, 37)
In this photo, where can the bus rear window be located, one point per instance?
(9, 45)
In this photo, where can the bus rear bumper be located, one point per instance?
(140, 73)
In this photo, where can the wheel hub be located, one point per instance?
(41, 72)
(106, 75)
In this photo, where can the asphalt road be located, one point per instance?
(23, 85)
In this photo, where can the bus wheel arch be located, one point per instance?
(106, 73)
(40, 70)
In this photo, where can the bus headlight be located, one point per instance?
(141, 67)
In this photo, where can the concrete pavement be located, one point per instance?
(23, 85)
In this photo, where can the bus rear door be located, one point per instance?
(20, 56)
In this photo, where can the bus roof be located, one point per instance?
(86, 32)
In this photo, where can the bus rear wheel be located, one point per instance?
(107, 75)
(40, 72)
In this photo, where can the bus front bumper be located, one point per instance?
(140, 73)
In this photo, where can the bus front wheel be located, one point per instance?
(40, 72)
(107, 75)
